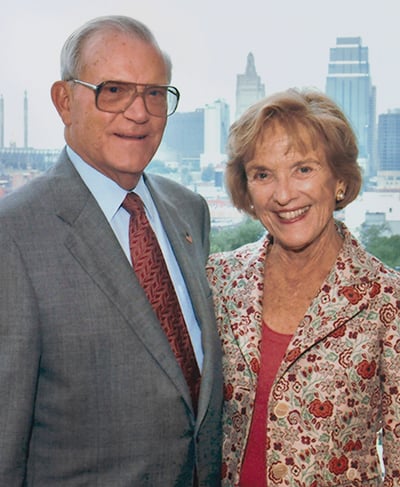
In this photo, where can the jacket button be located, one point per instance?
(281, 410)
(279, 470)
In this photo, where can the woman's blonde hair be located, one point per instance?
(294, 110)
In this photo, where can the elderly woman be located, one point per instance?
(309, 321)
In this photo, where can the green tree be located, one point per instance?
(233, 237)
(378, 241)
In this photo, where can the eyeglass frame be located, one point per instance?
(97, 89)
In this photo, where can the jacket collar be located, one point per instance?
(345, 293)
(91, 241)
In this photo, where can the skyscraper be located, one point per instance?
(216, 128)
(389, 150)
(349, 84)
(184, 134)
(249, 88)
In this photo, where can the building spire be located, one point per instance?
(250, 67)
(249, 88)
(25, 120)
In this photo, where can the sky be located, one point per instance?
(208, 41)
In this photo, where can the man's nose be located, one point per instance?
(137, 110)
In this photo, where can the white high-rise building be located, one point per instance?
(216, 128)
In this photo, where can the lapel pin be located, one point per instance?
(189, 238)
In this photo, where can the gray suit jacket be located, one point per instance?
(90, 391)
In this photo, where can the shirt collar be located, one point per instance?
(108, 194)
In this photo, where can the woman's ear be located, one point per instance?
(340, 191)
(61, 97)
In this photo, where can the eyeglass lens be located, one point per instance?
(115, 97)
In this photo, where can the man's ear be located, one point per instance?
(61, 96)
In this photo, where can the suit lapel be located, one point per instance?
(180, 235)
(317, 325)
(93, 244)
(344, 295)
(178, 230)
(246, 319)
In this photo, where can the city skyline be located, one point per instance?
(209, 44)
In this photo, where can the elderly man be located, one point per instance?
(109, 356)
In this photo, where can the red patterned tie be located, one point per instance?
(151, 270)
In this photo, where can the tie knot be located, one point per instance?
(133, 203)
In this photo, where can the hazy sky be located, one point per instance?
(208, 41)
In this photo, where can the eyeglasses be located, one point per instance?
(117, 96)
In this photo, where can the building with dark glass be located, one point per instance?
(184, 136)
(389, 150)
(349, 84)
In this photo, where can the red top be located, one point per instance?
(273, 348)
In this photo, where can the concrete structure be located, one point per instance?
(374, 207)
(21, 159)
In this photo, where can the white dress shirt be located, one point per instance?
(109, 196)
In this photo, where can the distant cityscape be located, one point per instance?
(193, 147)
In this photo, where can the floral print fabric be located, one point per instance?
(338, 384)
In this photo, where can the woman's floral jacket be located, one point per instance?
(338, 384)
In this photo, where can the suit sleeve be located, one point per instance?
(19, 362)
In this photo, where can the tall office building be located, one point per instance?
(216, 128)
(349, 84)
(184, 135)
(389, 150)
(249, 88)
